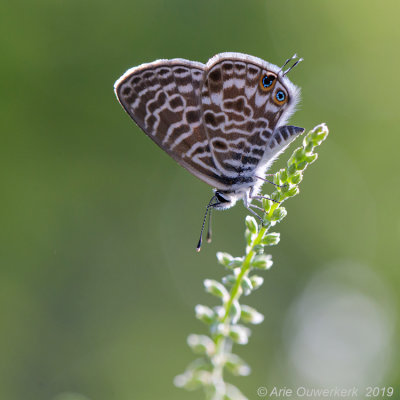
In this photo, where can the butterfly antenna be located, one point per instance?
(290, 68)
(287, 61)
(198, 248)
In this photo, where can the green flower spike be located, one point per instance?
(226, 321)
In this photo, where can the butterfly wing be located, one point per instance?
(241, 117)
(163, 98)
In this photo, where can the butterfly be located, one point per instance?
(223, 121)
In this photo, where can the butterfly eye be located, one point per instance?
(267, 82)
(280, 97)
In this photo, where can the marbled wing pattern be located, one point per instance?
(241, 118)
(163, 98)
(215, 119)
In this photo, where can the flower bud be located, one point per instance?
(301, 165)
(256, 281)
(229, 280)
(258, 249)
(251, 224)
(266, 204)
(292, 191)
(239, 334)
(216, 288)
(271, 239)
(246, 286)
(201, 344)
(263, 261)
(292, 169)
(299, 154)
(311, 158)
(284, 176)
(251, 315)
(278, 214)
(236, 365)
(236, 262)
(296, 178)
(235, 312)
(224, 258)
(204, 314)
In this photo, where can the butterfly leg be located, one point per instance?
(253, 212)
(247, 203)
(258, 208)
(260, 198)
(266, 180)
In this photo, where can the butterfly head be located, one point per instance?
(225, 200)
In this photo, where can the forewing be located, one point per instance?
(163, 98)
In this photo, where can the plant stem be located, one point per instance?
(224, 329)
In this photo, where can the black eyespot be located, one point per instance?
(280, 95)
(268, 80)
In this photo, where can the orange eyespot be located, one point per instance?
(280, 97)
(267, 82)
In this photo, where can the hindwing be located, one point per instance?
(239, 116)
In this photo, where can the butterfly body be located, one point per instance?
(224, 121)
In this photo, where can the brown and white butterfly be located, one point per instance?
(223, 121)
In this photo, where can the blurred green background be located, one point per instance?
(99, 274)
